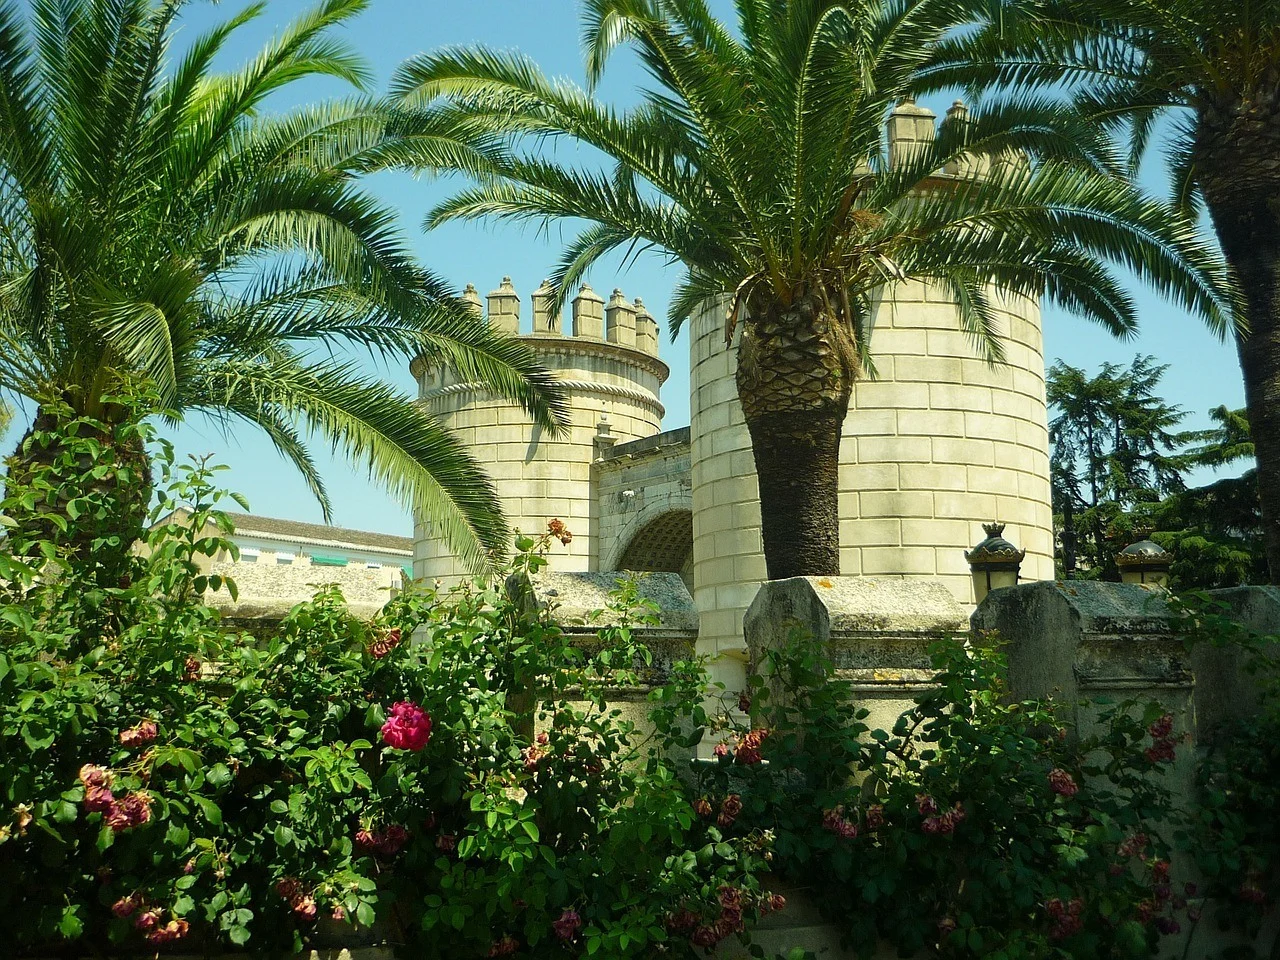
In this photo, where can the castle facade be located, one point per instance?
(940, 442)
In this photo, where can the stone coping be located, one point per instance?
(575, 596)
(1095, 606)
(659, 441)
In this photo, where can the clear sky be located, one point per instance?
(1202, 371)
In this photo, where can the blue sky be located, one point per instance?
(1202, 371)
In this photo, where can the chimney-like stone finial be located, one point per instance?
(588, 314)
(967, 165)
(909, 127)
(472, 298)
(620, 320)
(646, 329)
(545, 320)
(504, 308)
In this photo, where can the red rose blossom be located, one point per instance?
(92, 775)
(568, 925)
(1062, 783)
(408, 727)
(98, 800)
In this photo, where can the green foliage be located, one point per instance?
(156, 221)
(459, 779)
(1234, 831)
(751, 161)
(1118, 465)
(165, 780)
(1115, 447)
(974, 827)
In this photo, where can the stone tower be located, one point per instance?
(609, 368)
(938, 444)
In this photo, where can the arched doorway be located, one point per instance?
(663, 545)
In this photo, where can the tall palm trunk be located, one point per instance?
(1238, 166)
(58, 467)
(796, 365)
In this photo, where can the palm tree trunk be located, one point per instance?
(1238, 167)
(796, 365)
(56, 467)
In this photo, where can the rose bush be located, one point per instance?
(974, 828)
(168, 783)
(476, 792)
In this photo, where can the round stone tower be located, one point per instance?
(941, 442)
(610, 371)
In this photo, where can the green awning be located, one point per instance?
(328, 561)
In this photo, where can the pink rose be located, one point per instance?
(408, 727)
(127, 906)
(304, 908)
(136, 736)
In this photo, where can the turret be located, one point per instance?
(612, 384)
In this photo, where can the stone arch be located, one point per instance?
(660, 543)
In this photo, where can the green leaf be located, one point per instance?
(71, 925)
(211, 811)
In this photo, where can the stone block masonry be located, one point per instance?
(611, 374)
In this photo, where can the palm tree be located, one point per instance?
(757, 160)
(156, 223)
(1213, 68)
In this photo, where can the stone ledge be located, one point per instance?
(574, 597)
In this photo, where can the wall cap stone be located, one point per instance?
(1096, 607)
(575, 595)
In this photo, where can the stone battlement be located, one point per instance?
(619, 321)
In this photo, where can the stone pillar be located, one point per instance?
(876, 632)
(646, 329)
(620, 320)
(1082, 640)
(545, 320)
(909, 126)
(588, 314)
(504, 308)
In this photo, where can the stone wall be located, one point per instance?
(267, 588)
(644, 501)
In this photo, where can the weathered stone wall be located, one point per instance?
(266, 587)
(644, 499)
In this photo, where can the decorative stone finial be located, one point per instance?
(504, 308)
(909, 126)
(544, 318)
(472, 298)
(588, 314)
(620, 320)
(646, 329)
